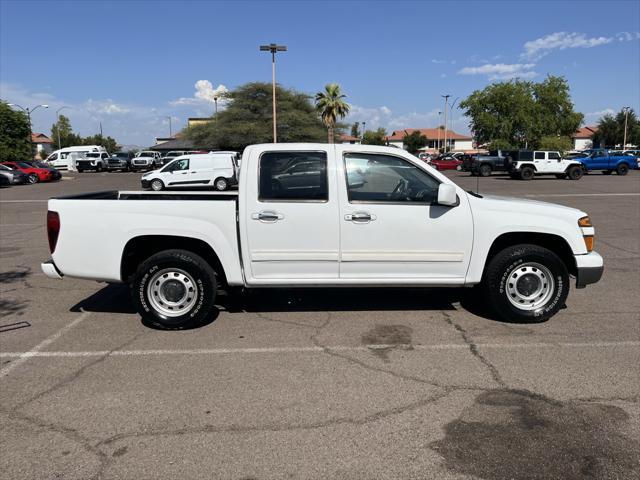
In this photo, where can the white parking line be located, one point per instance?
(24, 356)
(23, 201)
(312, 349)
(584, 195)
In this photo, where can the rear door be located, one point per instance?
(290, 218)
(392, 230)
(201, 170)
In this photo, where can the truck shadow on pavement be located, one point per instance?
(117, 299)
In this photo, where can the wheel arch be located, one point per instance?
(138, 249)
(550, 241)
(532, 165)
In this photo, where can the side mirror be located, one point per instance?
(447, 195)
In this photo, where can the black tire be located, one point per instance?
(170, 262)
(485, 170)
(561, 176)
(156, 185)
(99, 168)
(575, 173)
(221, 184)
(527, 173)
(606, 172)
(506, 264)
(622, 169)
(33, 178)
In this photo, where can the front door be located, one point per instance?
(391, 228)
(291, 217)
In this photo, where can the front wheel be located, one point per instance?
(622, 169)
(575, 173)
(221, 184)
(174, 289)
(33, 178)
(526, 283)
(485, 170)
(157, 185)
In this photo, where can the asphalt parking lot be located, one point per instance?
(326, 384)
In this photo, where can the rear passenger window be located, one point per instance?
(293, 176)
(539, 155)
(554, 156)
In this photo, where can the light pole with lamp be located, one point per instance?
(29, 112)
(58, 122)
(446, 99)
(273, 48)
(170, 132)
(364, 129)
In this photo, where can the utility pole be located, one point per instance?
(364, 126)
(215, 101)
(626, 116)
(446, 100)
(170, 132)
(451, 113)
(438, 145)
(29, 112)
(101, 129)
(58, 122)
(273, 48)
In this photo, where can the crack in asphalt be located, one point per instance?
(475, 350)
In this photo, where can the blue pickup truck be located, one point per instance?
(601, 159)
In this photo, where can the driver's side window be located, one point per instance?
(180, 165)
(386, 178)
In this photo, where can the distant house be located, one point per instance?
(349, 139)
(164, 145)
(435, 139)
(583, 138)
(42, 143)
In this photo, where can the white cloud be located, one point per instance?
(108, 107)
(204, 94)
(600, 113)
(538, 48)
(501, 71)
(627, 36)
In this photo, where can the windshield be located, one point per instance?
(144, 154)
(23, 165)
(40, 164)
(92, 155)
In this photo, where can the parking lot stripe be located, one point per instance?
(24, 356)
(312, 349)
(24, 201)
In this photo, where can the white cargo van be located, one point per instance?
(65, 158)
(216, 169)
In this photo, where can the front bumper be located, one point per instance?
(589, 269)
(50, 270)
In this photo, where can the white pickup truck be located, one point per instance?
(318, 215)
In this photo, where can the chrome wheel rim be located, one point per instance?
(529, 286)
(172, 292)
(221, 184)
(156, 185)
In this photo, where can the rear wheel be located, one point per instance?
(99, 168)
(174, 289)
(527, 173)
(33, 178)
(526, 283)
(157, 185)
(221, 184)
(485, 170)
(575, 173)
(622, 169)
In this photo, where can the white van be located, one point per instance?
(216, 169)
(65, 158)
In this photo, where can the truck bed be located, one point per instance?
(95, 228)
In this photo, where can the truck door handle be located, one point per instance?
(360, 217)
(267, 216)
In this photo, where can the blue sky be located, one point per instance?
(130, 64)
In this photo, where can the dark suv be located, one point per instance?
(119, 161)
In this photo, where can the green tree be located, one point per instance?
(375, 137)
(414, 141)
(14, 134)
(67, 137)
(330, 105)
(556, 142)
(108, 143)
(611, 129)
(355, 130)
(248, 116)
(520, 113)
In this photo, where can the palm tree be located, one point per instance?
(331, 106)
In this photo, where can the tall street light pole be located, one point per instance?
(273, 48)
(626, 116)
(29, 112)
(58, 122)
(451, 113)
(364, 129)
(446, 100)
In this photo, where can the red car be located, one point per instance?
(445, 163)
(37, 171)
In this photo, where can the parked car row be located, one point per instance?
(27, 171)
(526, 164)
